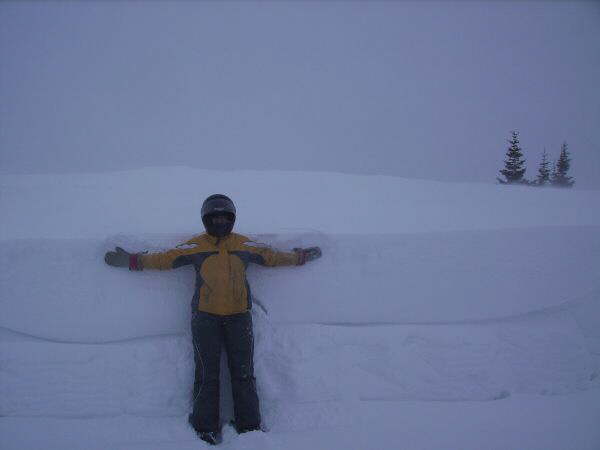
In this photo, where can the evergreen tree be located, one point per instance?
(514, 164)
(559, 176)
(543, 176)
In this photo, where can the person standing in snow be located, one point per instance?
(220, 310)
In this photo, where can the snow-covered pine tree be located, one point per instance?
(554, 175)
(559, 176)
(543, 176)
(514, 164)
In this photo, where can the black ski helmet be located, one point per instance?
(218, 204)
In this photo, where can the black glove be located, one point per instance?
(119, 258)
(308, 254)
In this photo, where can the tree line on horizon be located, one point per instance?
(555, 174)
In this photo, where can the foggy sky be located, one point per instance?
(429, 90)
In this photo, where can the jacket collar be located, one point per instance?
(230, 239)
(217, 241)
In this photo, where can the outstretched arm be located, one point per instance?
(170, 259)
(267, 256)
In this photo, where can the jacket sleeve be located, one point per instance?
(171, 259)
(267, 256)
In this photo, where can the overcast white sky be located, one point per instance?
(429, 90)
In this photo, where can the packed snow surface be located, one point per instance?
(440, 316)
(168, 200)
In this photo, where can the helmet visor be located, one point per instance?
(218, 205)
(221, 219)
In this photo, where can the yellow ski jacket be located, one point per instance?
(220, 263)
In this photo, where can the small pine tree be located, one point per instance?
(561, 168)
(514, 164)
(543, 177)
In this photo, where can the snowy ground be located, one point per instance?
(440, 316)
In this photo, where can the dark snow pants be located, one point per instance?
(209, 332)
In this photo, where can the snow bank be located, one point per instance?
(61, 289)
(481, 296)
(168, 200)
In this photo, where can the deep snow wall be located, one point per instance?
(394, 250)
(61, 289)
(168, 200)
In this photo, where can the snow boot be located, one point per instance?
(241, 430)
(212, 437)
